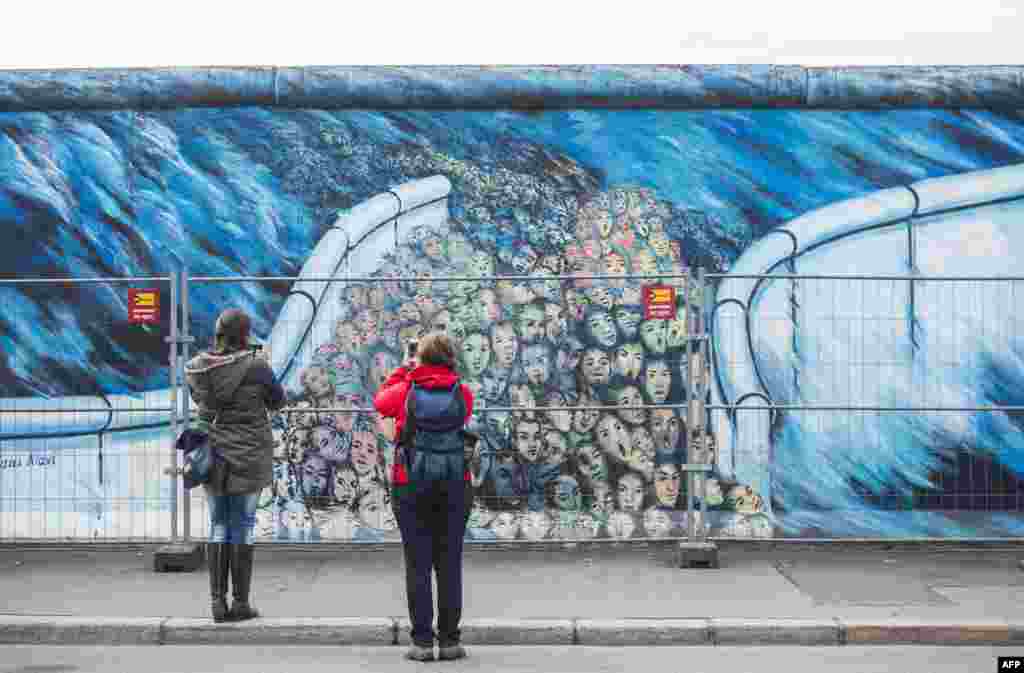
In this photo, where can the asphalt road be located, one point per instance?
(846, 659)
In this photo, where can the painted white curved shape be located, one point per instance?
(364, 229)
(958, 220)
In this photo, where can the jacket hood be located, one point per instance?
(433, 376)
(215, 377)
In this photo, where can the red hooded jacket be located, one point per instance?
(390, 402)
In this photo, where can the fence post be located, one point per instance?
(696, 551)
(186, 339)
(179, 555)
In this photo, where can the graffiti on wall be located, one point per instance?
(601, 192)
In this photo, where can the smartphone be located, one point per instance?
(411, 349)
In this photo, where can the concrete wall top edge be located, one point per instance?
(516, 87)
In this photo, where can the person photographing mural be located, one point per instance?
(234, 387)
(429, 481)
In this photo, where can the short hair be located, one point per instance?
(231, 332)
(436, 349)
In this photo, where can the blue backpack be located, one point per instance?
(432, 435)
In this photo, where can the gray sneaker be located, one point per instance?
(451, 653)
(420, 653)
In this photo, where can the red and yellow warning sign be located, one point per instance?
(659, 302)
(143, 306)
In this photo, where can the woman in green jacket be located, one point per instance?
(234, 388)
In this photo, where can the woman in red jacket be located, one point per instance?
(429, 489)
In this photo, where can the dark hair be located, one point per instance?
(436, 349)
(231, 332)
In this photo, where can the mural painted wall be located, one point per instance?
(251, 191)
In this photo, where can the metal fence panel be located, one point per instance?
(84, 460)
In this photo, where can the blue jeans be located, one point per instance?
(433, 523)
(233, 517)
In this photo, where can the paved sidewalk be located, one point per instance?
(591, 594)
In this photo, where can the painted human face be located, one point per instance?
(628, 359)
(621, 525)
(481, 264)
(556, 447)
(316, 475)
(537, 364)
(667, 482)
(744, 500)
(490, 307)
(514, 292)
(631, 296)
(554, 321)
(597, 369)
(628, 320)
(521, 396)
(432, 248)
(527, 439)
(594, 458)
(409, 312)
(602, 503)
(476, 353)
(493, 385)
(576, 303)
(427, 304)
(654, 334)
(316, 382)
(505, 473)
(365, 452)
(584, 420)
(630, 396)
(345, 421)
(614, 264)
(568, 493)
(536, 525)
(677, 330)
(346, 486)
(505, 345)
(661, 246)
(657, 523)
(505, 526)
(375, 511)
(531, 324)
(713, 496)
(562, 420)
(345, 336)
(480, 516)
(613, 438)
(600, 296)
(642, 458)
(646, 264)
(630, 492)
(602, 329)
(657, 381)
(666, 428)
(329, 443)
(441, 324)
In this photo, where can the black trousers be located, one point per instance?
(432, 519)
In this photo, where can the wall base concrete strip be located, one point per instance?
(925, 632)
(775, 631)
(507, 631)
(291, 631)
(45, 630)
(620, 632)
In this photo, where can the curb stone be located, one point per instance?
(72, 630)
(59, 630)
(647, 632)
(507, 631)
(775, 631)
(282, 631)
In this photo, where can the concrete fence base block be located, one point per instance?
(644, 632)
(29, 630)
(292, 631)
(506, 631)
(918, 632)
(775, 632)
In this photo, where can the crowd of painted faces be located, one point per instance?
(536, 345)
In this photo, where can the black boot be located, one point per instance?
(241, 582)
(217, 559)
